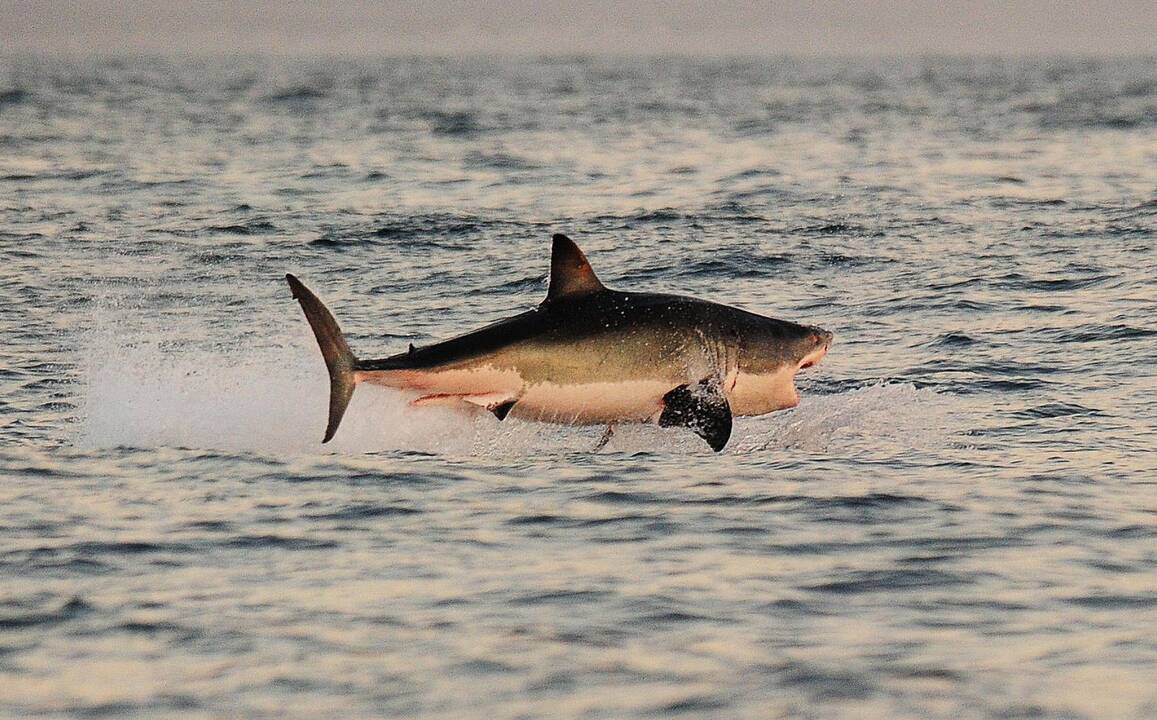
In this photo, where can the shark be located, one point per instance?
(591, 355)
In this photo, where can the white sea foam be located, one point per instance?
(145, 396)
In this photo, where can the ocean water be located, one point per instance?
(959, 520)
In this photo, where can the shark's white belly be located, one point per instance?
(642, 400)
(618, 401)
(762, 394)
(573, 404)
(593, 403)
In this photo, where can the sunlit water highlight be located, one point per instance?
(960, 520)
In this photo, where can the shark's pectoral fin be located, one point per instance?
(703, 408)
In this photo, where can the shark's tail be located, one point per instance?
(338, 358)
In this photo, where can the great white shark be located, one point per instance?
(592, 355)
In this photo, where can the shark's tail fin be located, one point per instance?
(338, 358)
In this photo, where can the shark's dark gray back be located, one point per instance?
(579, 313)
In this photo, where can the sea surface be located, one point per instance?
(959, 520)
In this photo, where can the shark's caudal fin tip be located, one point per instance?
(339, 359)
(294, 285)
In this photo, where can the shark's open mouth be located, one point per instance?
(813, 357)
(808, 360)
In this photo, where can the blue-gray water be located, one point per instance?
(960, 520)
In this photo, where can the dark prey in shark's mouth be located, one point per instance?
(592, 355)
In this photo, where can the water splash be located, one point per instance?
(887, 415)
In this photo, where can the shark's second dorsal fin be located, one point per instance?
(570, 273)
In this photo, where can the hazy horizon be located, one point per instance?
(522, 27)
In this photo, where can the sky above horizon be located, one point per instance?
(444, 27)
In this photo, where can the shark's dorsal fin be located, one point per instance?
(570, 273)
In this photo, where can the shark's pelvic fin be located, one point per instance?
(570, 273)
(497, 403)
(339, 360)
(502, 409)
(703, 408)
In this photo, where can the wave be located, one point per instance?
(418, 230)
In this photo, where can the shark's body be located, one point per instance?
(592, 355)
